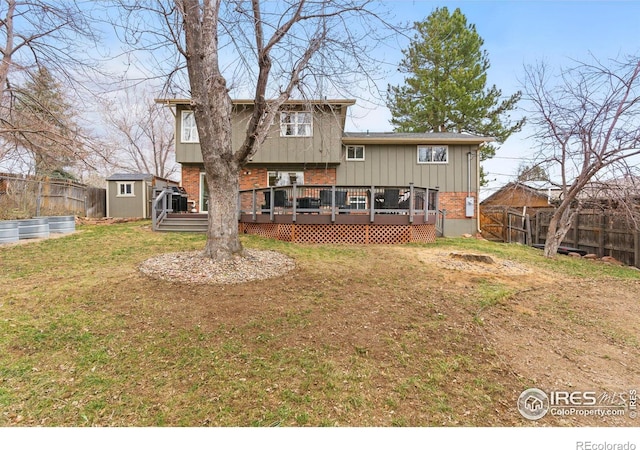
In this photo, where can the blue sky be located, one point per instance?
(516, 33)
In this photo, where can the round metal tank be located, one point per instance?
(62, 224)
(33, 228)
(9, 231)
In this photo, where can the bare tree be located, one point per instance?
(36, 35)
(273, 51)
(141, 134)
(526, 172)
(587, 125)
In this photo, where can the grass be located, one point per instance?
(354, 336)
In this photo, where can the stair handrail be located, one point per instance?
(160, 207)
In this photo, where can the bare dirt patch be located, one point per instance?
(556, 332)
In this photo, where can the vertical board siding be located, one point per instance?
(324, 146)
(393, 165)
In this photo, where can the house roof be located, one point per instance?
(413, 138)
(336, 102)
(542, 189)
(616, 188)
(130, 177)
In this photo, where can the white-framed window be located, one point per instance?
(125, 189)
(355, 152)
(358, 201)
(283, 178)
(189, 128)
(433, 154)
(296, 123)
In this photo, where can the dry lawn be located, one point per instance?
(353, 336)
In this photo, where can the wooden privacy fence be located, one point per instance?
(504, 224)
(602, 232)
(30, 197)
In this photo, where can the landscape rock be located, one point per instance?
(590, 256)
(611, 260)
(574, 255)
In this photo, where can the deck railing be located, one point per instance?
(160, 207)
(293, 200)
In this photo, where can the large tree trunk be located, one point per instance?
(559, 225)
(222, 172)
(222, 232)
(212, 107)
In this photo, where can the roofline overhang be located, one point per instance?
(332, 102)
(471, 140)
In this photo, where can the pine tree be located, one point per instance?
(45, 125)
(445, 88)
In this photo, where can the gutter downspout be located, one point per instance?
(479, 230)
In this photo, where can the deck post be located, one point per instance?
(295, 201)
(272, 201)
(253, 205)
(411, 201)
(372, 202)
(333, 203)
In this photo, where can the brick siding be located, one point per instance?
(250, 177)
(454, 203)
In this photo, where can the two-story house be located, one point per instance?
(308, 146)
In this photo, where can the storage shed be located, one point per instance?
(131, 194)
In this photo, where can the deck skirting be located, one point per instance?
(342, 233)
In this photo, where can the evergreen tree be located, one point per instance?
(45, 125)
(445, 86)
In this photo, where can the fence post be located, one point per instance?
(603, 228)
(505, 225)
(38, 198)
(576, 228)
(636, 249)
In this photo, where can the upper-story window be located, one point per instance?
(189, 129)
(355, 152)
(433, 154)
(296, 123)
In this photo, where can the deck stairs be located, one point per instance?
(195, 223)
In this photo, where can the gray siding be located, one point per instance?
(127, 206)
(324, 146)
(396, 165)
(458, 227)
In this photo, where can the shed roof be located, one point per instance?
(130, 177)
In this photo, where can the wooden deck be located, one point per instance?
(330, 214)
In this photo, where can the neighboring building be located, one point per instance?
(518, 194)
(308, 145)
(130, 194)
